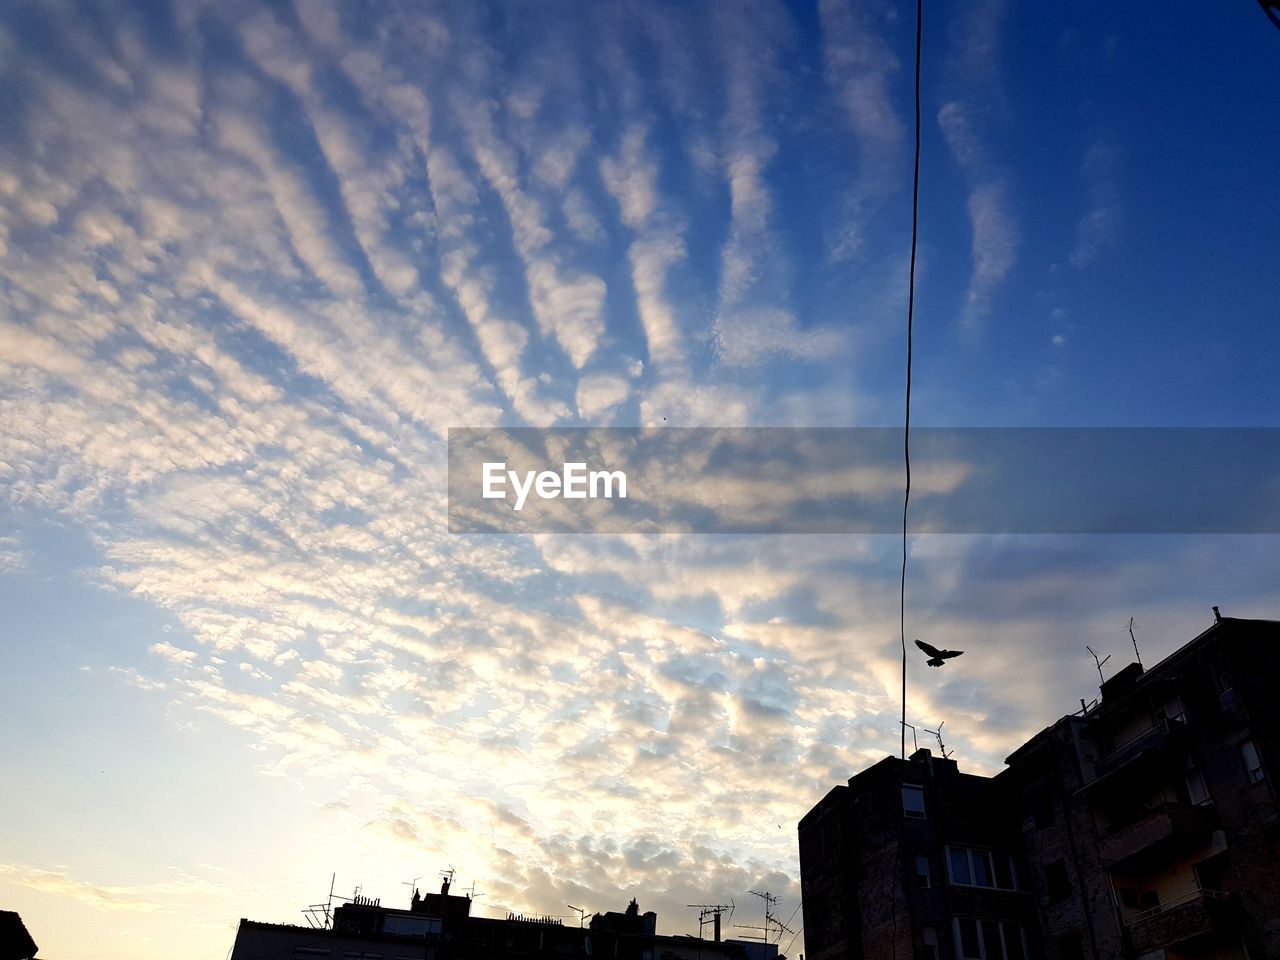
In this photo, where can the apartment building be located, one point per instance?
(1143, 827)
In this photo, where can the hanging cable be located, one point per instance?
(906, 459)
(906, 432)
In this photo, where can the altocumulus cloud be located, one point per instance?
(256, 263)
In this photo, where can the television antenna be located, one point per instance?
(710, 913)
(771, 922)
(1134, 641)
(937, 734)
(1098, 662)
(582, 914)
(411, 884)
(320, 915)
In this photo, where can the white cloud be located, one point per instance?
(599, 393)
(1099, 227)
(995, 245)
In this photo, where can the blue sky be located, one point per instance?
(255, 262)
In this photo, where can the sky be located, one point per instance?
(256, 260)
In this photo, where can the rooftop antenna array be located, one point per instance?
(942, 747)
(411, 884)
(1134, 641)
(582, 914)
(710, 913)
(1098, 662)
(771, 922)
(320, 915)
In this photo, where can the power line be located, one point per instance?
(906, 432)
(906, 452)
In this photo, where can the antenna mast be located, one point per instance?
(942, 747)
(710, 913)
(320, 915)
(771, 922)
(1134, 641)
(1098, 662)
(915, 744)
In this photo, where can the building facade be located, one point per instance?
(1145, 827)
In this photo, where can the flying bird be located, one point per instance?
(937, 657)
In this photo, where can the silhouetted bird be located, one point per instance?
(937, 657)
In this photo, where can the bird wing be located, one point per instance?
(948, 654)
(928, 648)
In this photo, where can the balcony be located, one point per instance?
(1154, 743)
(1198, 913)
(1170, 825)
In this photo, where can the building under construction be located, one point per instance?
(1144, 827)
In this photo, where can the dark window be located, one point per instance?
(922, 872)
(981, 868)
(1014, 945)
(1058, 882)
(1150, 899)
(913, 800)
(1128, 897)
(1003, 871)
(989, 939)
(1221, 670)
(992, 942)
(970, 946)
(1197, 792)
(1252, 762)
(981, 861)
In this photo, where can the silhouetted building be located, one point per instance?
(909, 857)
(15, 941)
(441, 927)
(1145, 827)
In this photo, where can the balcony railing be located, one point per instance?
(1176, 902)
(1191, 915)
(1154, 741)
(1163, 825)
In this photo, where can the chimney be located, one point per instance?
(444, 887)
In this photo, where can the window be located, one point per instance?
(404, 926)
(970, 867)
(913, 801)
(1197, 792)
(1252, 762)
(922, 873)
(928, 948)
(1221, 671)
(1128, 897)
(989, 939)
(1058, 882)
